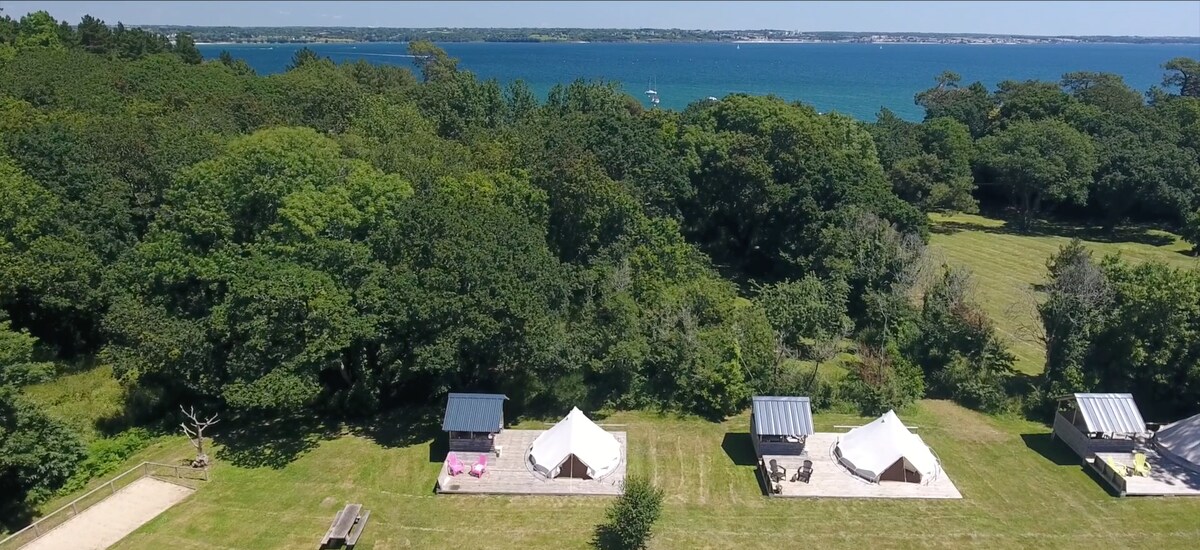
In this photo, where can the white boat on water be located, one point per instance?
(652, 94)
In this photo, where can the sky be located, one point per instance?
(1142, 18)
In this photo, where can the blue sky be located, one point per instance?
(1105, 18)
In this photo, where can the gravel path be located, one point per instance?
(111, 519)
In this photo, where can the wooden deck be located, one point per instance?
(510, 473)
(1167, 478)
(831, 479)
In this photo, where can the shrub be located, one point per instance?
(105, 455)
(631, 517)
(883, 379)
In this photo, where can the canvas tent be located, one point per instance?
(575, 447)
(1181, 441)
(885, 450)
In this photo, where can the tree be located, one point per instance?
(17, 367)
(1030, 100)
(957, 346)
(302, 57)
(39, 30)
(185, 48)
(972, 105)
(1038, 162)
(94, 35)
(239, 66)
(195, 433)
(1191, 230)
(433, 62)
(631, 517)
(1186, 76)
(771, 177)
(881, 379)
(37, 454)
(1104, 90)
(1078, 297)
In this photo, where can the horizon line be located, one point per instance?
(378, 27)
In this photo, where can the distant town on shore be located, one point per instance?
(379, 34)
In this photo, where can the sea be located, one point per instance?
(854, 79)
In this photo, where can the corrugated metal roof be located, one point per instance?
(1114, 413)
(782, 416)
(474, 412)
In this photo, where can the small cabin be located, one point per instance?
(780, 425)
(473, 420)
(1098, 422)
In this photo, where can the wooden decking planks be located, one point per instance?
(1166, 477)
(508, 474)
(831, 479)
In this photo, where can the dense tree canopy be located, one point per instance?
(344, 239)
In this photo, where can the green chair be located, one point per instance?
(1140, 466)
(1120, 469)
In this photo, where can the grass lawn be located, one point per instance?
(1019, 490)
(1006, 264)
(81, 399)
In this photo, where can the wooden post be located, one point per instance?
(74, 509)
(36, 529)
(177, 471)
(112, 487)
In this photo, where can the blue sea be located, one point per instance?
(855, 79)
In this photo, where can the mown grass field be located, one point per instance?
(1006, 265)
(1020, 491)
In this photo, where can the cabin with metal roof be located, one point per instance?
(473, 420)
(1098, 422)
(780, 425)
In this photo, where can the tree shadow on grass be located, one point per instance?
(1054, 451)
(403, 427)
(1123, 234)
(739, 448)
(272, 443)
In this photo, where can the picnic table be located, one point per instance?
(346, 528)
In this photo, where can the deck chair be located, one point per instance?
(805, 472)
(480, 467)
(453, 465)
(1120, 469)
(1140, 466)
(778, 473)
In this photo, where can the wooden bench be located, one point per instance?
(346, 528)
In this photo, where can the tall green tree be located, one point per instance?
(186, 49)
(1185, 75)
(1038, 163)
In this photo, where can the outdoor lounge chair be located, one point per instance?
(778, 473)
(454, 465)
(805, 472)
(480, 467)
(1140, 466)
(1120, 469)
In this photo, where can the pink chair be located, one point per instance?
(480, 467)
(454, 465)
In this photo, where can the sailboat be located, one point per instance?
(652, 94)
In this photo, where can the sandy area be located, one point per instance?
(111, 519)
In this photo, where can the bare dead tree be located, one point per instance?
(195, 433)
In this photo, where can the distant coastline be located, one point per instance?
(326, 35)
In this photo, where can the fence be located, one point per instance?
(89, 499)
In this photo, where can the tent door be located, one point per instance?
(573, 467)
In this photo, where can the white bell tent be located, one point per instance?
(575, 447)
(885, 450)
(1181, 441)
